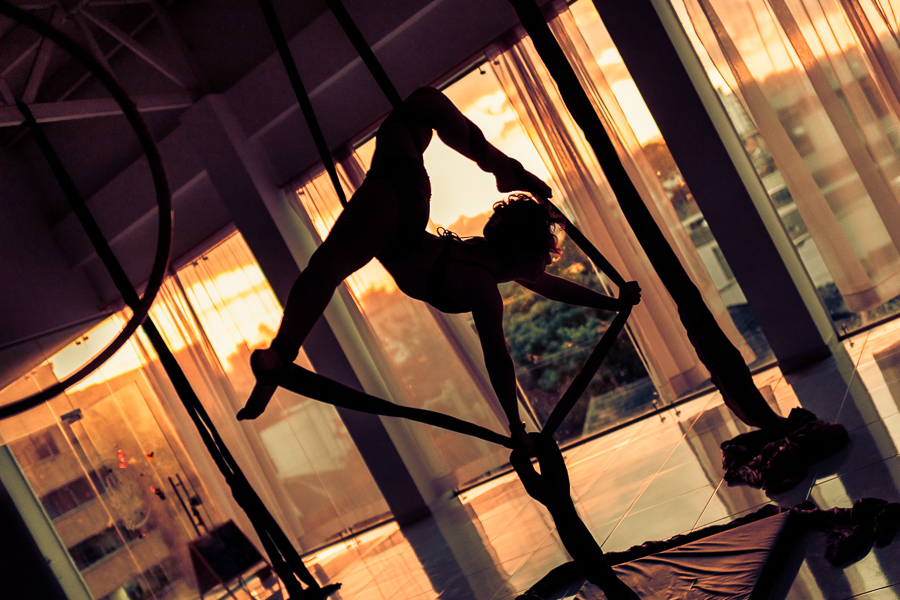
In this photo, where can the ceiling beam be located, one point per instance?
(39, 68)
(132, 44)
(71, 110)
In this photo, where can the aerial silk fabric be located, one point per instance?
(777, 463)
(728, 565)
(747, 558)
(403, 338)
(585, 195)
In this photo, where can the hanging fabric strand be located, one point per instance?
(582, 380)
(726, 365)
(302, 97)
(318, 387)
(387, 88)
(158, 270)
(365, 52)
(284, 558)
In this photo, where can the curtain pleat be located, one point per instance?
(297, 455)
(818, 85)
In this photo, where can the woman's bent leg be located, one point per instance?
(365, 228)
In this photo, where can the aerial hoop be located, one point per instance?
(163, 199)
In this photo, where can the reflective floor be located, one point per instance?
(654, 479)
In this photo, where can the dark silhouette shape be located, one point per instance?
(386, 219)
(318, 387)
(550, 487)
(469, 141)
(777, 463)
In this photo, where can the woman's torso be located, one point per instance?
(432, 269)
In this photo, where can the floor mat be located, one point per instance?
(744, 563)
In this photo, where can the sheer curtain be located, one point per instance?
(298, 455)
(816, 83)
(584, 193)
(425, 358)
(212, 313)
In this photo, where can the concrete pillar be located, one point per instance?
(34, 563)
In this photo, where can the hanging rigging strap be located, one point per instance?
(302, 97)
(163, 197)
(365, 52)
(584, 376)
(318, 387)
(284, 558)
(321, 388)
(387, 88)
(582, 380)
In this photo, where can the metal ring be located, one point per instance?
(163, 199)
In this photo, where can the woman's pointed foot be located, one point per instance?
(268, 368)
(511, 176)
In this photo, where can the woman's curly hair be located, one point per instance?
(522, 225)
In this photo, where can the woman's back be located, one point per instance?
(436, 268)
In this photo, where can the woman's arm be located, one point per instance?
(562, 290)
(488, 316)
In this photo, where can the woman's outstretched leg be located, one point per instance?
(365, 228)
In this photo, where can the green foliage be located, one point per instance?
(550, 341)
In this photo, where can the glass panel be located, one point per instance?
(660, 181)
(104, 474)
(811, 89)
(300, 444)
(119, 467)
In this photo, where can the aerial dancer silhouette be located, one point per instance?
(386, 219)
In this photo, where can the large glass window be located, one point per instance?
(811, 89)
(526, 118)
(299, 447)
(120, 469)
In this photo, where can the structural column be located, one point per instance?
(244, 179)
(34, 562)
(709, 153)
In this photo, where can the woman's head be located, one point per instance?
(522, 228)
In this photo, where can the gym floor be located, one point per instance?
(654, 479)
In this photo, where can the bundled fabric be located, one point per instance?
(764, 459)
(850, 532)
